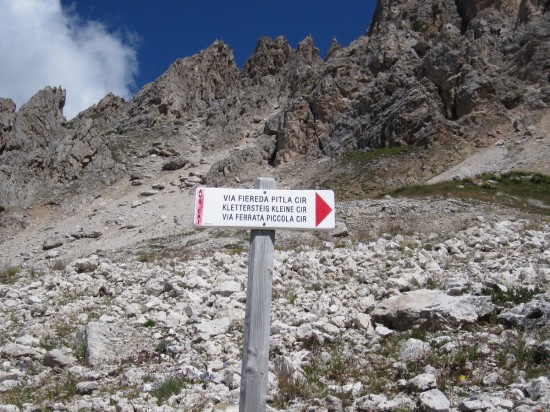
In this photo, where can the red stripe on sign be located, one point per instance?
(322, 209)
(199, 206)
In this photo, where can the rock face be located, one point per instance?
(437, 74)
(42, 156)
(188, 87)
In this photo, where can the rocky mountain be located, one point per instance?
(446, 74)
(106, 288)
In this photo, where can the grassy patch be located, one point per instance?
(171, 386)
(524, 191)
(9, 275)
(145, 258)
(332, 364)
(116, 153)
(149, 323)
(69, 125)
(234, 248)
(515, 295)
(157, 252)
(458, 363)
(174, 385)
(355, 176)
(63, 388)
(290, 389)
(361, 157)
(162, 346)
(518, 355)
(65, 334)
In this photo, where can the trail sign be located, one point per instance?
(264, 209)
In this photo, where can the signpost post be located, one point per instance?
(262, 209)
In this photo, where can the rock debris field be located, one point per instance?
(431, 322)
(111, 301)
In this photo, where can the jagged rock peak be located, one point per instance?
(521, 10)
(7, 115)
(334, 47)
(307, 49)
(108, 108)
(429, 16)
(268, 58)
(40, 118)
(7, 106)
(218, 53)
(110, 100)
(49, 101)
(190, 85)
(306, 53)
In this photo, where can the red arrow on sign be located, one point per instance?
(322, 209)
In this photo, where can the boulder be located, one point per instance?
(530, 315)
(431, 309)
(413, 350)
(58, 358)
(434, 401)
(52, 242)
(175, 164)
(107, 343)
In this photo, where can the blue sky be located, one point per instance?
(94, 47)
(171, 29)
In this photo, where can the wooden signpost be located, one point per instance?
(262, 209)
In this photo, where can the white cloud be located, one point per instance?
(41, 44)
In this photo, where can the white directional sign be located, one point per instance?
(264, 209)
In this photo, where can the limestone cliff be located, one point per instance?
(426, 73)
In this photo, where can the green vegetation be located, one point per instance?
(290, 295)
(145, 258)
(171, 386)
(362, 157)
(525, 191)
(69, 125)
(355, 176)
(162, 346)
(517, 354)
(175, 383)
(289, 390)
(515, 295)
(157, 252)
(234, 248)
(65, 334)
(63, 388)
(236, 325)
(9, 275)
(329, 363)
(115, 152)
(149, 323)
(79, 350)
(457, 364)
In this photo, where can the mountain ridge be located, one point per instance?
(449, 77)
